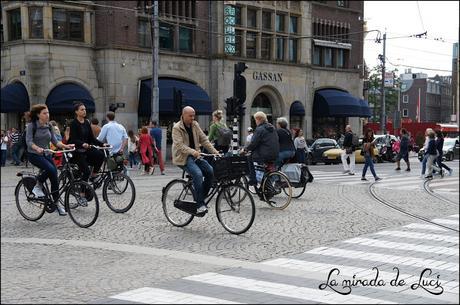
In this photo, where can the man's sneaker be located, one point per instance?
(363, 179)
(429, 177)
(82, 201)
(162, 173)
(397, 169)
(61, 210)
(201, 209)
(38, 191)
(351, 173)
(346, 171)
(407, 169)
(450, 172)
(378, 178)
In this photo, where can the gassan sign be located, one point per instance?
(270, 76)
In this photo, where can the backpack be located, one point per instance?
(225, 135)
(355, 140)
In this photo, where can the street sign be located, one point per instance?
(22, 72)
(389, 79)
(121, 105)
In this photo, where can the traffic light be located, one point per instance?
(177, 99)
(240, 110)
(239, 82)
(232, 106)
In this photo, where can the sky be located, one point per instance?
(404, 18)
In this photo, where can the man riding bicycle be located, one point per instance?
(114, 134)
(187, 138)
(264, 145)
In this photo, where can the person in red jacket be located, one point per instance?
(145, 144)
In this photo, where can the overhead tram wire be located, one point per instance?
(409, 66)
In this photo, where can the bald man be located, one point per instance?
(187, 139)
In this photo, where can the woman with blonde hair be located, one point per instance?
(219, 133)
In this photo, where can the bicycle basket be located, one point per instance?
(230, 167)
(115, 162)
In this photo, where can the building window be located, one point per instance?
(265, 46)
(166, 37)
(317, 56)
(267, 21)
(237, 15)
(67, 25)
(14, 20)
(36, 22)
(405, 98)
(328, 57)
(293, 24)
(405, 112)
(252, 18)
(342, 3)
(251, 44)
(279, 23)
(238, 36)
(185, 40)
(280, 48)
(292, 50)
(143, 31)
(340, 58)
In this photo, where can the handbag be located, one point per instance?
(348, 150)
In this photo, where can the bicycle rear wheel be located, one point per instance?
(298, 191)
(235, 208)
(277, 190)
(82, 197)
(176, 191)
(30, 208)
(119, 192)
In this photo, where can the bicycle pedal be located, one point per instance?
(200, 214)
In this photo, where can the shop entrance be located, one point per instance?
(261, 103)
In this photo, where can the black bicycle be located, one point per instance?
(299, 185)
(118, 190)
(80, 200)
(235, 208)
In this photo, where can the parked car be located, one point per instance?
(333, 156)
(316, 150)
(450, 150)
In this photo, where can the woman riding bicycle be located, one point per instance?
(82, 136)
(39, 134)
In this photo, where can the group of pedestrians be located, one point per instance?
(433, 148)
(11, 145)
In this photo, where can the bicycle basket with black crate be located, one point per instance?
(230, 168)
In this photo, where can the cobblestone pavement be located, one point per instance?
(54, 261)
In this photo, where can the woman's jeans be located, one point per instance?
(369, 163)
(132, 159)
(46, 164)
(199, 169)
(3, 162)
(283, 156)
(440, 164)
(300, 155)
(425, 159)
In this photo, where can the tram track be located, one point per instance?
(427, 189)
(393, 206)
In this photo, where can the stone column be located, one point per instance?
(47, 22)
(87, 27)
(24, 22)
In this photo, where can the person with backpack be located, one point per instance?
(349, 146)
(219, 133)
(82, 136)
(39, 136)
(286, 144)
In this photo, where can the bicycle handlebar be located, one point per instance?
(58, 151)
(211, 155)
(101, 147)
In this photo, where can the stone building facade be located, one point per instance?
(292, 49)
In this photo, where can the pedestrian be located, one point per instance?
(4, 147)
(300, 146)
(368, 148)
(219, 134)
(425, 147)
(145, 150)
(432, 154)
(95, 127)
(133, 148)
(16, 146)
(57, 131)
(403, 150)
(156, 134)
(439, 147)
(114, 134)
(286, 144)
(249, 136)
(348, 152)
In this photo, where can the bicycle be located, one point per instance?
(273, 185)
(83, 211)
(299, 187)
(235, 208)
(118, 190)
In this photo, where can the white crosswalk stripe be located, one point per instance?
(298, 278)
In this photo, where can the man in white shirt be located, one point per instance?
(114, 134)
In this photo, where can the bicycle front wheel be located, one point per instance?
(177, 192)
(30, 208)
(235, 208)
(82, 204)
(119, 192)
(277, 190)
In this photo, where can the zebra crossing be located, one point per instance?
(390, 180)
(422, 258)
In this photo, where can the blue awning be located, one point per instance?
(14, 98)
(192, 95)
(63, 97)
(337, 103)
(297, 109)
(365, 109)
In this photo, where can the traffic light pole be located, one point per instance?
(382, 101)
(154, 116)
(235, 146)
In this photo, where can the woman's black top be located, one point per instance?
(81, 133)
(285, 140)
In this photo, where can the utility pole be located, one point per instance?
(155, 63)
(382, 101)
